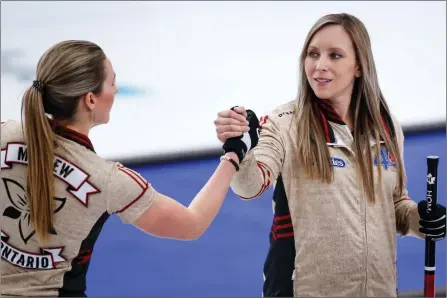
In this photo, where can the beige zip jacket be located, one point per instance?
(342, 245)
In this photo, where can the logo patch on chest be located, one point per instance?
(388, 162)
(338, 162)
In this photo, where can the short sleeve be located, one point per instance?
(129, 194)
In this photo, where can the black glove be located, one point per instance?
(433, 224)
(245, 142)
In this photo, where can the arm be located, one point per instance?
(159, 215)
(412, 219)
(407, 216)
(169, 219)
(261, 167)
(406, 210)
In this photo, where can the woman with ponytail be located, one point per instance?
(57, 193)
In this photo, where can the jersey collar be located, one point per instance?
(71, 135)
(326, 113)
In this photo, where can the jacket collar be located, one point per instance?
(71, 135)
(326, 113)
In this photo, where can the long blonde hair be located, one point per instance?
(368, 106)
(66, 71)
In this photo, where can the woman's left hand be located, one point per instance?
(432, 224)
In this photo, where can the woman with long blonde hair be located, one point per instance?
(335, 156)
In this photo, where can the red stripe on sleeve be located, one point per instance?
(266, 182)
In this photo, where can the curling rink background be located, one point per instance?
(228, 259)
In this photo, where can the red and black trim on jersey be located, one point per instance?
(71, 135)
(325, 112)
(280, 260)
(74, 282)
(140, 181)
(266, 176)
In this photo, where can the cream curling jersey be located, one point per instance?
(88, 189)
(326, 239)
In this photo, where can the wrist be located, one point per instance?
(233, 156)
(229, 159)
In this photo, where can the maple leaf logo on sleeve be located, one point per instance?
(20, 209)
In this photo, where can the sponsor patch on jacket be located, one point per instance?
(338, 162)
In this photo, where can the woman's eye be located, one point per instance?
(335, 56)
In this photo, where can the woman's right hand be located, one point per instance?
(231, 123)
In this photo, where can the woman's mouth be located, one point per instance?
(322, 81)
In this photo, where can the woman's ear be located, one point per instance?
(90, 101)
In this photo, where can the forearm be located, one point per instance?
(208, 201)
(407, 218)
(252, 179)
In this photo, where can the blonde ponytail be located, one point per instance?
(40, 154)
